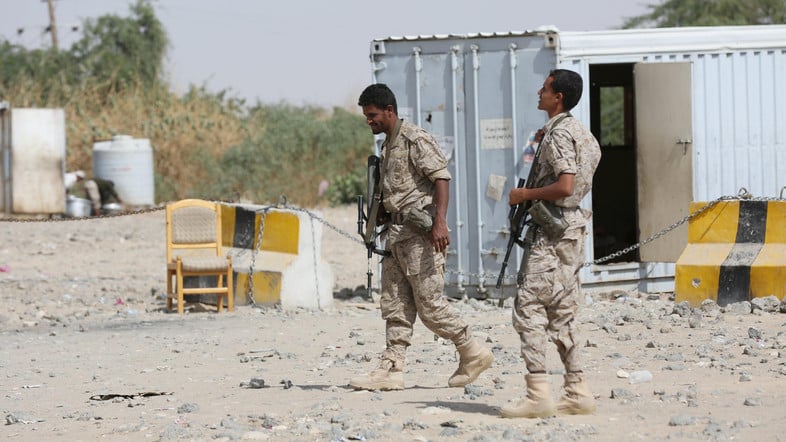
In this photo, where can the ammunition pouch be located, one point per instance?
(421, 219)
(549, 217)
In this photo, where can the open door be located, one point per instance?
(664, 151)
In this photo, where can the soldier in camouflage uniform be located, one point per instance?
(414, 182)
(548, 285)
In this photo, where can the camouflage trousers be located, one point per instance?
(412, 286)
(547, 300)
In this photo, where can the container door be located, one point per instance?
(664, 150)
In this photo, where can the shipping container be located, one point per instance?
(33, 148)
(682, 115)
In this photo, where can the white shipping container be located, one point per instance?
(33, 147)
(682, 114)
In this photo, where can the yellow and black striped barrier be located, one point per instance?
(280, 235)
(736, 252)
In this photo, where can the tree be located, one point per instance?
(676, 13)
(123, 50)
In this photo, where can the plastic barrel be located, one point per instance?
(128, 162)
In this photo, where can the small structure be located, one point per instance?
(682, 115)
(33, 149)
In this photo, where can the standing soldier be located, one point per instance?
(548, 282)
(415, 190)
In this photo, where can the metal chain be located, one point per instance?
(86, 218)
(252, 267)
(314, 216)
(743, 194)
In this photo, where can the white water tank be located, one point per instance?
(128, 162)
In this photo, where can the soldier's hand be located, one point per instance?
(517, 195)
(440, 236)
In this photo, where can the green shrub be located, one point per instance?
(345, 189)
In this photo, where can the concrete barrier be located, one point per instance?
(736, 252)
(287, 267)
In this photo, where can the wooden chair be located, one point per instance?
(193, 248)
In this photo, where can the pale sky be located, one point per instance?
(303, 51)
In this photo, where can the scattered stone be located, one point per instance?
(412, 424)
(253, 383)
(738, 308)
(640, 377)
(769, 304)
(709, 306)
(752, 402)
(621, 393)
(187, 408)
(450, 432)
(474, 391)
(681, 420)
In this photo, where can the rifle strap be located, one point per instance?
(536, 161)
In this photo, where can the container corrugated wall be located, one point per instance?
(739, 96)
(477, 95)
(739, 122)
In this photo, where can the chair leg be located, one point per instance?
(220, 302)
(180, 301)
(230, 290)
(168, 290)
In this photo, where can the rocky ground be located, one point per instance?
(87, 352)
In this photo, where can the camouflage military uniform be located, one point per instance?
(413, 276)
(549, 290)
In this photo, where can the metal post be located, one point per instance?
(454, 64)
(478, 201)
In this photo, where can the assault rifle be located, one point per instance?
(518, 220)
(369, 217)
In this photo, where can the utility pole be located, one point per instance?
(52, 24)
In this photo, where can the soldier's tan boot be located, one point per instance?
(474, 359)
(538, 402)
(386, 377)
(578, 398)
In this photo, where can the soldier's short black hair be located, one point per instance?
(378, 95)
(568, 83)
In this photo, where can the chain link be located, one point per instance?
(743, 194)
(252, 267)
(86, 218)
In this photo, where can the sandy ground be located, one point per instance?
(87, 352)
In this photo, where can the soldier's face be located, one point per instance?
(378, 119)
(547, 98)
